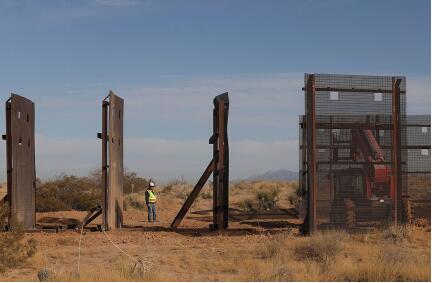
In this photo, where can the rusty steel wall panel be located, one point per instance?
(219, 166)
(221, 154)
(21, 171)
(112, 126)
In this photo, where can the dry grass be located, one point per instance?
(336, 256)
(391, 254)
(14, 249)
(134, 201)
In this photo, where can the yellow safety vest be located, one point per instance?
(151, 196)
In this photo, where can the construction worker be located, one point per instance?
(150, 198)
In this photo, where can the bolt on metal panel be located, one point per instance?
(20, 154)
(112, 161)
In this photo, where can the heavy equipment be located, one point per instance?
(365, 194)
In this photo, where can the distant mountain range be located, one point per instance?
(279, 175)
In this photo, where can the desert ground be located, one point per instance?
(259, 250)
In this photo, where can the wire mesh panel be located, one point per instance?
(416, 172)
(354, 162)
(356, 183)
(356, 94)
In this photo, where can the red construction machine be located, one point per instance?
(363, 194)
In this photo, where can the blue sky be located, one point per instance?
(169, 58)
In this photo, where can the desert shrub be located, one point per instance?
(14, 249)
(174, 185)
(134, 201)
(246, 205)
(67, 192)
(130, 179)
(393, 254)
(167, 188)
(387, 262)
(49, 203)
(183, 194)
(267, 198)
(269, 249)
(318, 248)
(396, 233)
(207, 194)
(241, 186)
(47, 275)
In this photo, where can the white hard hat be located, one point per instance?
(152, 184)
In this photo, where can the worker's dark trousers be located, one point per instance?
(151, 212)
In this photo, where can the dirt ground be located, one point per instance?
(191, 252)
(251, 251)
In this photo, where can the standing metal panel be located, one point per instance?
(396, 148)
(221, 153)
(21, 171)
(311, 153)
(219, 165)
(112, 165)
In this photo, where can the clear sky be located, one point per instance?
(168, 59)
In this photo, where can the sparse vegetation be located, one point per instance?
(134, 201)
(396, 233)
(337, 256)
(206, 193)
(267, 198)
(320, 248)
(69, 192)
(246, 205)
(394, 253)
(14, 248)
